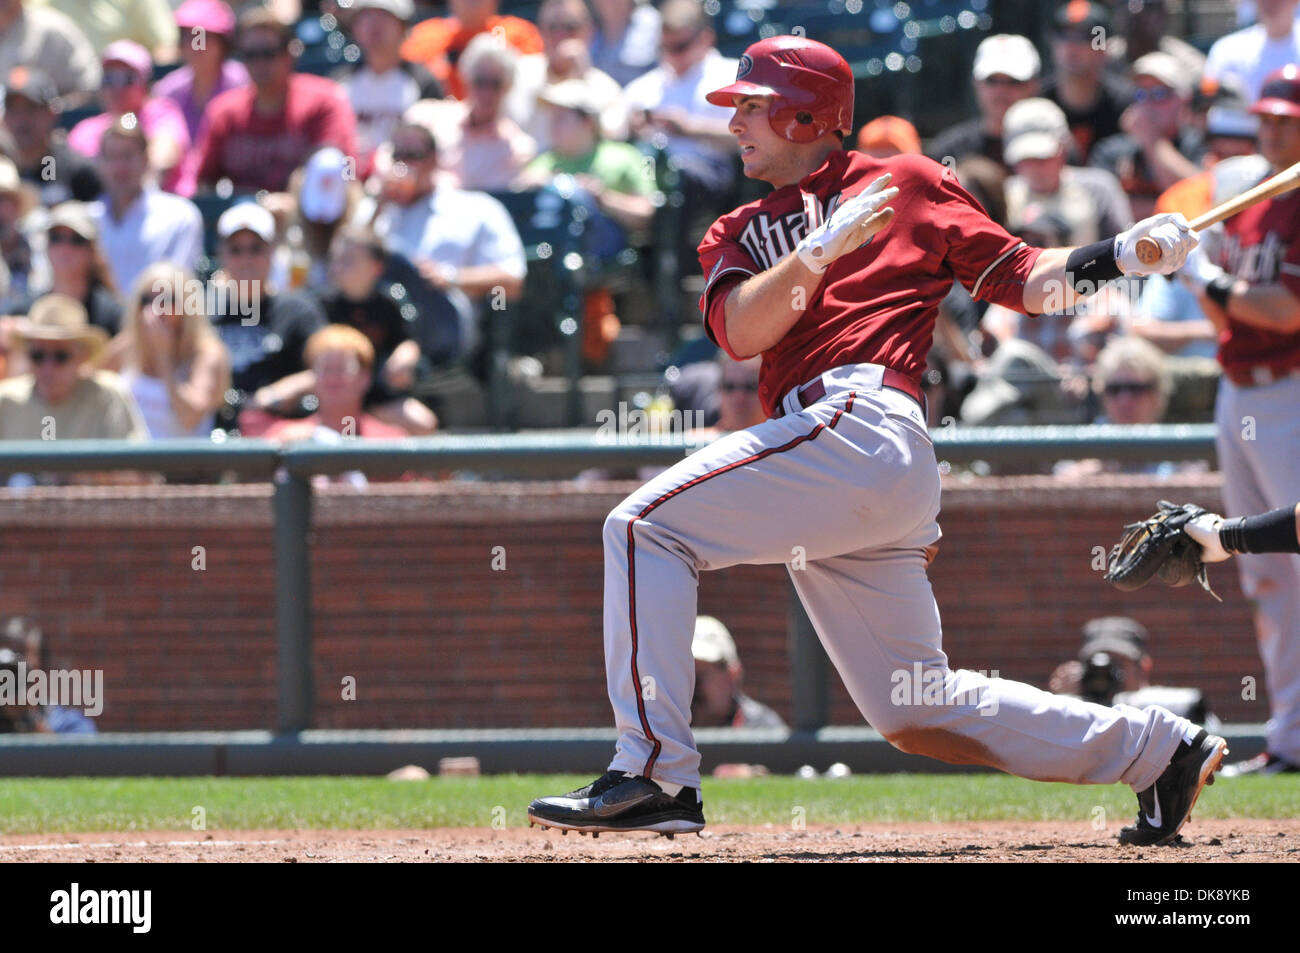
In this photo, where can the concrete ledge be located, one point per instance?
(260, 753)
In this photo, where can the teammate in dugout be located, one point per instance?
(1249, 288)
(835, 278)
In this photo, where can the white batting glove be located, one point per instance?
(1199, 271)
(1205, 530)
(1169, 231)
(852, 225)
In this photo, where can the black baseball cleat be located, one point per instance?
(1164, 807)
(619, 801)
(1262, 765)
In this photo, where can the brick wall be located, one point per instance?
(408, 604)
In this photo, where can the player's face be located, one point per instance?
(1279, 140)
(763, 154)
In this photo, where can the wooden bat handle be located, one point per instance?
(1148, 250)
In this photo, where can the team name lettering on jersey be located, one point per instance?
(769, 239)
(1257, 262)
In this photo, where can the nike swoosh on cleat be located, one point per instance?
(602, 808)
(1154, 822)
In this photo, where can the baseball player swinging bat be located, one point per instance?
(1148, 251)
(836, 277)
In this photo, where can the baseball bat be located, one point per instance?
(1148, 251)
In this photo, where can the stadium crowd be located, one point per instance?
(204, 228)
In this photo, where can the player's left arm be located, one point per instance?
(1270, 306)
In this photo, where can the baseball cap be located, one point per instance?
(131, 54)
(1080, 16)
(31, 83)
(573, 94)
(402, 9)
(1117, 635)
(1008, 54)
(75, 217)
(324, 193)
(247, 216)
(1033, 129)
(1280, 95)
(712, 642)
(1165, 69)
(210, 15)
(890, 131)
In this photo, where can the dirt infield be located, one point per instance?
(1039, 841)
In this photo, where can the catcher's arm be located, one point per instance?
(1277, 531)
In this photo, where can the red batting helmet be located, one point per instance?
(810, 84)
(1280, 94)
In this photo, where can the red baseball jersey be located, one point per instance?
(876, 304)
(1263, 246)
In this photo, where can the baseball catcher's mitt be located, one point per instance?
(1158, 546)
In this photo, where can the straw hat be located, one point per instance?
(56, 317)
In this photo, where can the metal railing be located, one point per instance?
(539, 455)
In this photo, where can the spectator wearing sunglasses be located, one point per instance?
(138, 223)
(172, 361)
(78, 268)
(479, 146)
(1158, 148)
(63, 397)
(1089, 95)
(440, 42)
(124, 91)
(257, 135)
(1007, 69)
(207, 32)
(31, 104)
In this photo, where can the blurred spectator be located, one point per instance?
(20, 644)
(322, 196)
(171, 360)
(459, 240)
(667, 105)
(1091, 98)
(719, 700)
(1241, 60)
(439, 43)
(614, 174)
(78, 267)
(1158, 147)
(738, 405)
(138, 223)
(1133, 380)
(479, 146)
(887, 136)
(382, 85)
(1142, 28)
(258, 134)
(62, 397)
(46, 40)
(357, 298)
(1006, 70)
(40, 149)
(207, 32)
(264, 330)
(341, 360)
(625, 43)
(127, 71)
(147, 22)
(566, 28)
(1114, 668)
(22, 271)
(1089, 201)
(1230, 132)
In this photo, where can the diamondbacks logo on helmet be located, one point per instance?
(746, 64)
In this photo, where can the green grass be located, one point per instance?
(35, 805)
